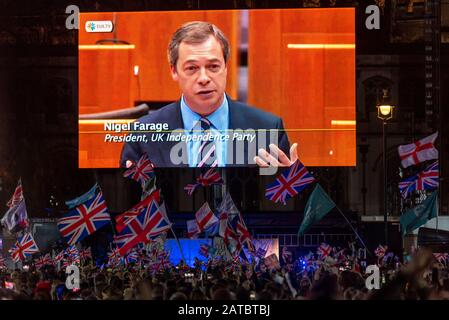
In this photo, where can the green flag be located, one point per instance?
(419, 215)
(318, 205)
(149, 187)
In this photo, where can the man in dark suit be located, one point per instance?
(205, 127)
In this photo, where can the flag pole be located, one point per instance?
(176, 238)
(179, 245)
(171, 225)
(436, 226)
(355, 232)
(111, 224)
(205, 194)
(438, 214)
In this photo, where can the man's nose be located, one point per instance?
(203, 77)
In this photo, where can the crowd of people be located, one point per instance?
(421, 278)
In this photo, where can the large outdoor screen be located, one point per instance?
(280, 77)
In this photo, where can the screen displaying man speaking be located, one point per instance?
(205, 127)
(217, 88)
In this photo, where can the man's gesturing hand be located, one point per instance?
(276, 157)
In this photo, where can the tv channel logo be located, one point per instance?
(99, 26)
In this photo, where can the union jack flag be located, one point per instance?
(425, 180)
(23, 248)
(210, 177)
(72, 251)
(245, 236)
(48, 260)
(190, 188)
(380, 251)
(114, 256)
(71, 256)
(161, 261)
(205, 217)
(441, 257)
(2, 262)
(204, 250)
(164, 260)
(84, 220)
(70, 260)
(150, 223)
(324, 250)
(85, 254)
(123, 219)
(43, 261)
(289, 183)
(17, 195)
(131, 257)
(142, 171)
(59, 256)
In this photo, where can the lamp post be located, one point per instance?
(385, 113)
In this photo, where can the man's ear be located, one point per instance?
(174, 73)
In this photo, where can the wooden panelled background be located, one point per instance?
(310, 84)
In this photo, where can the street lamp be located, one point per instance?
(385, 113)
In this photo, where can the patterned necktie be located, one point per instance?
(207, 152)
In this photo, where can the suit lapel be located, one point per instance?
(174, 122)
(236, 122)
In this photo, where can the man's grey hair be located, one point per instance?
(192, 33)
